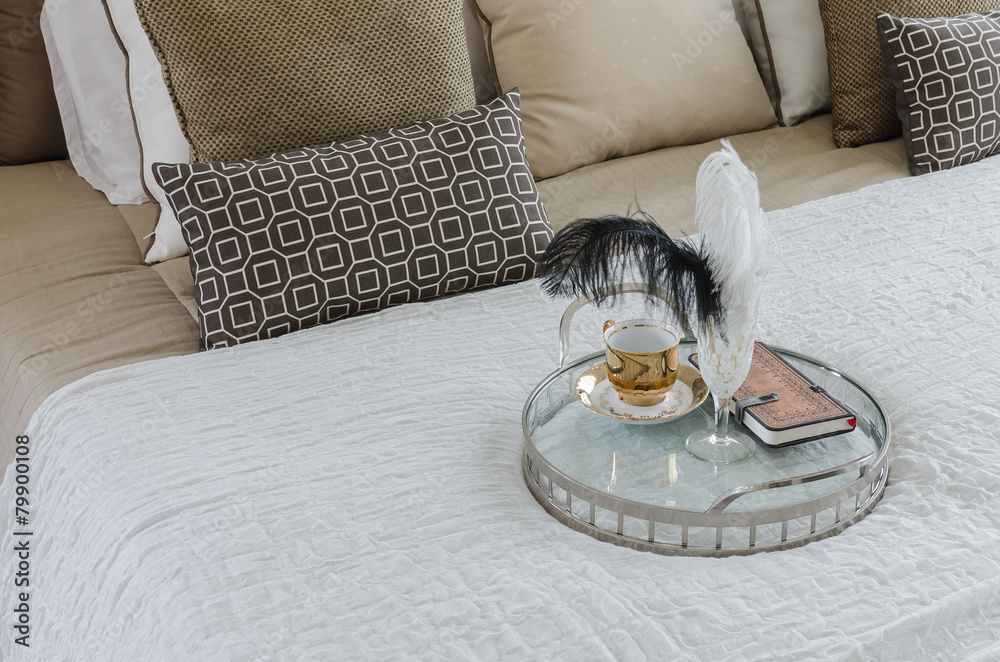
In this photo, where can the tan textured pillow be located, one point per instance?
(30, 129)
(255, 77)
(864, 99)
(604, 79)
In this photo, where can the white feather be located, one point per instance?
(734, 229)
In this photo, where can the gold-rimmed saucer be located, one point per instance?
(596, 393)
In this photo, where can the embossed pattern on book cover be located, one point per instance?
(799, 404)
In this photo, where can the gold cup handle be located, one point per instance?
(609, 324)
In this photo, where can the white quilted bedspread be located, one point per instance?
(355, 491)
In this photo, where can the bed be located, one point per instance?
(272, 501)
(87, 302)
(354, 490)
(90, 300)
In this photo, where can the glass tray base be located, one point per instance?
(638, 486)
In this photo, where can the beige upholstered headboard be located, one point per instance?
(30, 129)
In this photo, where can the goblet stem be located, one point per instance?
(722, 418)
(724, 446)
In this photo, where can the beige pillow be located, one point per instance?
(255, 77)
(864, 99)
(605, 79)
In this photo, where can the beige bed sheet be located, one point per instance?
(75, 298)
(793, 165)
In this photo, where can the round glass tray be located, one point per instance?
(638, 486)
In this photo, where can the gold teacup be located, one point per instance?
(641, 359)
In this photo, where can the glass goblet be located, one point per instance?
(724, 364)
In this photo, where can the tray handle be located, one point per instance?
(860, 466)
(580, 302)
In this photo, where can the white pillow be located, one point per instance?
(790, 49)
(159, 132)
(88, 74)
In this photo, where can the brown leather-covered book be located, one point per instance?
(803, 411)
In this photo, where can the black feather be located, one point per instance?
(592, 256)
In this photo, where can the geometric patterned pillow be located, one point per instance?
(947, 77)
(313, 235)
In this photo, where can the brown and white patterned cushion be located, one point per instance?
(313, 235)
(947, 77)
